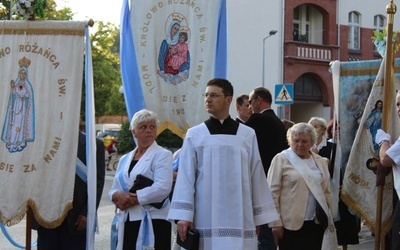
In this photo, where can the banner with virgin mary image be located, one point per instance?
(169, 51)
(41, 81)
(361, 86)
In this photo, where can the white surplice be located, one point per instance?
(222, 188)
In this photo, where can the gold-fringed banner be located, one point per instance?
(360, 116)
(41, 81)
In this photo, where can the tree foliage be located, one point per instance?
(125, 139)
(51, 12)
(106, 70)
(5, 9)
(165, 139)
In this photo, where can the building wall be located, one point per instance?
(368, 10)
(295, 67)
(327, 7)
(249, 22)
(115, 119)
(322, 75)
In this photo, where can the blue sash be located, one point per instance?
(11, 240)
(81, 170)
(120, 176)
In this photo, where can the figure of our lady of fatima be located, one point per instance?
(19, 125)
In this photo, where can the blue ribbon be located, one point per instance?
(146, 230)
(81, 170)
(175, 164)
(11, 240)
(119, 174)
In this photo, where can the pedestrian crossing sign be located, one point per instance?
(284, 94)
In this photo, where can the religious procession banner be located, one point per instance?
(360, 116)
(41, 81)
(170, 49)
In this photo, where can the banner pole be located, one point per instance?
(28, 239)
(387, 106)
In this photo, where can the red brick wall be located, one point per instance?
(366, 51)
(324, 77)
(293, 69)
(114, 119)
(326, 7)
(344, 51)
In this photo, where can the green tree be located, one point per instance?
(165, 139)
(106, 70)
(49, 9)
(5, 10)
(125, 139)
(51, 12)
(169, 140)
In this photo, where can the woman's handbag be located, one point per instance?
(142, 181)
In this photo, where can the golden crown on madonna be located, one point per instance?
(177, 17)
(24, 62)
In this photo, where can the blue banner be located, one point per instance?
(169, 51)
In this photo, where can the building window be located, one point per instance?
(301, 24)
(306, 88)
(354, 31)
(379, 24)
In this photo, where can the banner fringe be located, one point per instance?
(167, 124)
(369, 222)
(47, 224)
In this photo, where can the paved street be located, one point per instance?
(106, 213)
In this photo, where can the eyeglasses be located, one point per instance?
(298, 141)
(255, 97)
(212, 95)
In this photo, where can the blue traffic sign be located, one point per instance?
(284, 94)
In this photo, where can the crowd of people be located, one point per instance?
(256, 182)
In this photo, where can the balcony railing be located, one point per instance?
(307, 51)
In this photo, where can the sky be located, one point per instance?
(98, 10)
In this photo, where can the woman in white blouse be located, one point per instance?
(141, 224)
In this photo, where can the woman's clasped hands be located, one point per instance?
(125, 200)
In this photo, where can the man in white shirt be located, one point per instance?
(221, 189)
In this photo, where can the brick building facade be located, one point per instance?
(313, 37)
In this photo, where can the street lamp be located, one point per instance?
(271, 33)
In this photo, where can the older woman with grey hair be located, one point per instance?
(141, 184)
(299, 184)
(322, 146)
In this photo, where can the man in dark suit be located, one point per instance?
(71, 234)
(271, 138)
(242, 108)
